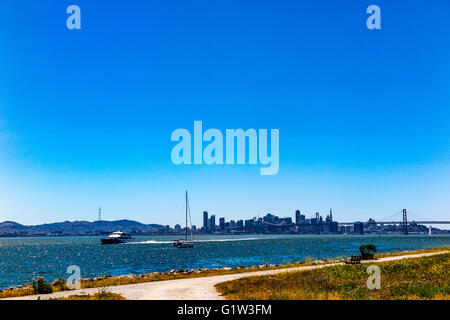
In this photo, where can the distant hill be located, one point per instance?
(10, 226)
(68, 228)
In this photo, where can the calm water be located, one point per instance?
(21, 259)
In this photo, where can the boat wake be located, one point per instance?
(150, 242)
(226, 240)
(201, 240)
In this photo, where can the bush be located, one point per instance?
(59, 285)
(367, 251)
(40, 286)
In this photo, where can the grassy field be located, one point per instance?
(419, 278)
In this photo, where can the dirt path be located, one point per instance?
(194, 288)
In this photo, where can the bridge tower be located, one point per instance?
(405, 222)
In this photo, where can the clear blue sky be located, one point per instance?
(86, 115)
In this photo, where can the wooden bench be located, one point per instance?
(355, 259)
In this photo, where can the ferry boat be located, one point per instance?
(118, 237)
(183, 244)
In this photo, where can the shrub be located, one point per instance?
(40, 286)
(367, 251)
(59, 285)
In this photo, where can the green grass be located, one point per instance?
(418, 278)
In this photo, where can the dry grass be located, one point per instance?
(16, 293)
(101, 295)
(418, 278)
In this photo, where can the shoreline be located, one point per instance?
(180, 274)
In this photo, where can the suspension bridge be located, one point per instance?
(398, 218)
(404, 222)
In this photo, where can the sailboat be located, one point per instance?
(429, 232)
(185, 243)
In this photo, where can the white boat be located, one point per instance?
(118, 237)
(183, 244)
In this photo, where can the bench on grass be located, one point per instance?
(355, 259)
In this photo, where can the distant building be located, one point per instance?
(358, 228)
(213, 223)
(297, 217)
(249, 224)
(372, 225)
(333, 227)
(221, 223)
(287, 220)
(270, 218)
(205, 220)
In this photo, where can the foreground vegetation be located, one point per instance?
(102, 294)
(40, 286)
(418, 278)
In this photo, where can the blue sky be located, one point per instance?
(86, 115)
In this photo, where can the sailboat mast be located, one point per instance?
(186, 215)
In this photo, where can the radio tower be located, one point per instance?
(100, 213)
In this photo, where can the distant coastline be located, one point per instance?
(11, 229)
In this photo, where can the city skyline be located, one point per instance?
(86, 116)
(267, 224)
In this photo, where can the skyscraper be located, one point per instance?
(358, 228)
(205, 220)
(297, 217)
(208, 226)
(213, 222)
(221, 223)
